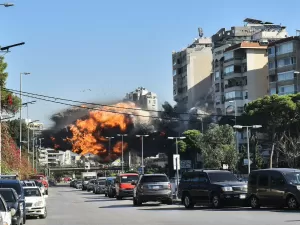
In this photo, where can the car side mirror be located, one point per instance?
(133, 183)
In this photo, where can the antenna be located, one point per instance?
(200, 32)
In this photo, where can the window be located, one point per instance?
(286, 62)
(174, 72)
(129, 179)
(277, 179)
(154, 102)
(229, 69)
(30, 192)
(15, 186)
(8, 196)
(284, 48)
(263, 180)
(228, 55)
(221, 177)
(271, 51)
(252, 179)
(271, 65)
(234, 95)
(149, 101)
(287, 89)
(246, 95)
(286, 76)
(272, 91)
(217, 75)
(148, 179)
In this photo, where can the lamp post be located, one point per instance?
(142, 136)
(109, 143)
(236, 133)
(25, 73)
(28, 138)
(177, 170)
(122, 163)
(248, 147)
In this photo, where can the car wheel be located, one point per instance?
(188, 202)
(134, 201)
(45, 214)
(118, 197)
(292, 202)
(216, 201)
(138, 201)
(105, 195)
(254, 202)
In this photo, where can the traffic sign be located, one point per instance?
(176, 161)
(140, 170)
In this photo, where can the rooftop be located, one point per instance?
(248, 45)
(292, 38)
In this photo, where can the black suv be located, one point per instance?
(211, 187)
(274, 187)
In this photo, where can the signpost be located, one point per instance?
(176, 164)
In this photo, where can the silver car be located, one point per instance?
(100, 187)
(152, 188)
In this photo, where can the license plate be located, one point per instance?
(155, 187)
(242, 196)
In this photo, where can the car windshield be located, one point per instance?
(101, 182)
(8, 195)
(222, 177)
(293, 178)
(129, 178)
(88, 178)
(159, 178)
(15, 186)
(32, 192)
(39, 184)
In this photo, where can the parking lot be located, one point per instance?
(70, 206)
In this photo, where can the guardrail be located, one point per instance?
(84, 169)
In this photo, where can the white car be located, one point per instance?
(6, 214)
(35, 202)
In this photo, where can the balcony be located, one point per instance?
(234, 61)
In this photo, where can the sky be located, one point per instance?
(113, 47)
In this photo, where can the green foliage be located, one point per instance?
(14, 130)
(192, 139)
(259, 161)
(14, 107)
(181, 146)
(218, 147)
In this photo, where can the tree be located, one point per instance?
(275, 113)
(10, 103)
(14, 130)
(218, 147)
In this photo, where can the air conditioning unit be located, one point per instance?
(264, 42)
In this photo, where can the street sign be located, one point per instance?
(176, 161)
(225, 167)
(186, 164)
(140, 170)
(246, 162)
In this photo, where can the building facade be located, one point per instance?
(143, 98)
(191, 73)
(240, 64)
(284, 66)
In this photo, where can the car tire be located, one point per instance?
(138, 201)
(45, 214)
(134, 201)
(188, 202)
(254, 202)
(168, 202)
(292, 203)
(118, 197)
(105, 195)
(216, 201)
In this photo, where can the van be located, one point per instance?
(124, 186)
(274, 187)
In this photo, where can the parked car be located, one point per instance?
(72, 183)
(110, 187)
(16, 184)
(274, 187)
(99, 186)
(123, 185)
(152, 188)
(211, 187)
(13, 202)
(78, 184)
(41, 186)
(90, 185)
(35, 202)
(6, 212)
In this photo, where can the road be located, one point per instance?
(70, 206)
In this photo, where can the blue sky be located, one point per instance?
(112, 47)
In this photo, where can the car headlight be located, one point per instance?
(298, 187)
(226, 188)
(245, 188)
(39, 203)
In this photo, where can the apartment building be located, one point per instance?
(191, 73)
(240, 64)
(50, 157)
(284, 66)
(143, 98)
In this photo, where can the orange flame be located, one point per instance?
(118, 147)
(87, 136)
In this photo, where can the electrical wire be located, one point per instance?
(103, 110)
(103, 105)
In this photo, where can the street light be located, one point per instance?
(7, 4)
(177, 170)
(25, 73)
(36, 161)
(248, 147)
(26, 104)
(28, 138)
(122, 163)
(109, 143)
(236, 134)
(142, 136)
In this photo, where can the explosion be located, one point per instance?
(87, 134)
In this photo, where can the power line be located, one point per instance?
(103, 110)
(91, 103)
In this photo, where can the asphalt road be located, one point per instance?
(68, 206)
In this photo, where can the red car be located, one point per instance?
(42, 178)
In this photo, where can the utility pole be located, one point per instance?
(109, 144)
(122, 162)
(142, 136)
